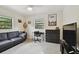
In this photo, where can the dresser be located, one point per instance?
(53, 36)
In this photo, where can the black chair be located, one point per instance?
(68, 49)
(36, 36)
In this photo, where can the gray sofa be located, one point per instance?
(10, 39)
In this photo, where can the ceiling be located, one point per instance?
(36, 8)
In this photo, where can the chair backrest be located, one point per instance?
(67, 47)
(36, 33)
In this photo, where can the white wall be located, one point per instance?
(15, 16)
(71, 27)
(71, 15)
(31, 27)
(44, 16)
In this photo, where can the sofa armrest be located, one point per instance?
(23, 35)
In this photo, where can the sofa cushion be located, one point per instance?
(3, 36)
(13, 34)
(4, 42)
(15, 39)
(4, 45)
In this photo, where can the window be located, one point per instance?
(39, 23)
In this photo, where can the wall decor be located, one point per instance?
(19, 21)
(52, 19)
(29, 22)
(5, 22)
(25, 25)
(57, 28)
(39, 23)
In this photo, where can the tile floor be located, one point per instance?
(34, 48)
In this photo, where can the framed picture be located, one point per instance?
(52, 19)
(39, 23)
(5, 22)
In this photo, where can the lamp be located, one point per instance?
(29, 8)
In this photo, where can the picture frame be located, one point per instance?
(5, 22)
(52, 19)
(39, 23)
